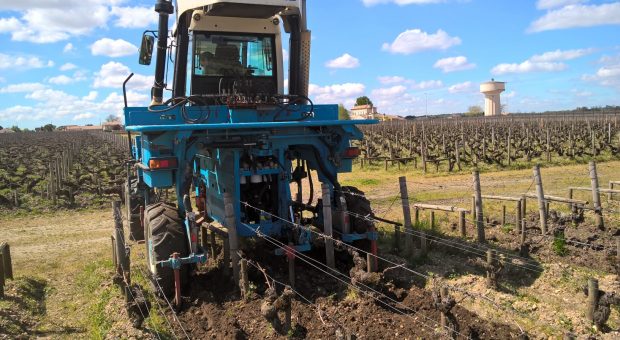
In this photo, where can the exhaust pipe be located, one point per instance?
(164, 8)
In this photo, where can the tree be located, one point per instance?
(111, 118)
(15, 128)
(1, 128)
(48, 127)
(474, 110)
(363, 101)
(343, 113)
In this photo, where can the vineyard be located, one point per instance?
(518, 253)
(506, 142)
(44, 171)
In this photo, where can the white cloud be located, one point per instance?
(559, 55)
(92, 95)
(416, 40)
(414, 85)
(61, 80)
(68, 48)
(426, 84)
(338, 93)
(113, 48)
(82, 116)
(134, 17)
(9, 25)
(22, 62)
(48, 95)
(369, 3)
(548, 4)
(453, 64)
(467, 86)
(605, 76)
(113, 74)
(344, 61)
(55, 20)
(387, 80)
(546, 62)
(22, 87)
(578, 16)
(54, 104)
(68, 67)
(527, 67)
(389, 92)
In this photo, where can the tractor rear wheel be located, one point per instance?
(359, 206)
(165, 235)
(134, 199)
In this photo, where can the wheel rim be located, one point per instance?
(149, 250)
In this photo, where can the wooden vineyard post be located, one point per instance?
(462, 225)
(2, 280)
(592, 298)
(503, 215)
(617, 260)
(122, 259)
(327, 226)
(548, 146)
(233, 239)
(5, 251)
(423, 244)
(541, 199)
(491, 264)
(508, 145)
(457, 155)
(518, 216)
(596, 196)
(244, 284)
(478, 205)
(404, 197)
(431, 219)
(213, 245)
(371, 263)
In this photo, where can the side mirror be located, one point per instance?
(146, 49)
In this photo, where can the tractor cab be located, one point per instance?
(231, 48)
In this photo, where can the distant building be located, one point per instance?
(112, 126)
(363, 112)
(83, 128)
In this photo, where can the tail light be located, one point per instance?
(162, 163)
(351, 152)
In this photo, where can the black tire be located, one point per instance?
(358, 204)
(134, 199)
(165, 235)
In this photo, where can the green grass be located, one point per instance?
(90, 280)
(559, 245)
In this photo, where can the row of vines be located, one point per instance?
(452, 144)
(48, 170)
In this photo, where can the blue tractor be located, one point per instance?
(234, 144)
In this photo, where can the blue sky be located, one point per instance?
(63, 61)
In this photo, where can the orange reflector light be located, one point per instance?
(351, 152)
(162, 163)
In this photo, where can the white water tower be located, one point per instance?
(492, 102)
